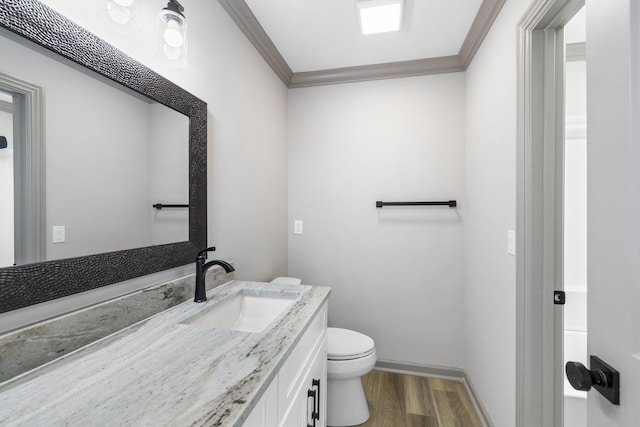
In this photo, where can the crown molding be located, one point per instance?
(389, 70)
(249, 25)
(481, 25)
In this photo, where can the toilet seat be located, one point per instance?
(345, 344)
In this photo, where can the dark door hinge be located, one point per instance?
(559, 297)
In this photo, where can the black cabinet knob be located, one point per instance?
(582, 378)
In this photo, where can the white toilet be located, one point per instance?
(350, 355)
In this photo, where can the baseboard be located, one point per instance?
(475, 399)
(455, 374)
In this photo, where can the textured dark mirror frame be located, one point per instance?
(20, 286)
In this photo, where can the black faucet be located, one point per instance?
(201, 271)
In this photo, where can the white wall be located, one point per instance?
(247, 176)
(103, 208)
(575, 235)
(490, 195)
(169, 183)
(575, 181)
(576, 88)
(396, 273)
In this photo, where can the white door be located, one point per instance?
(613, 207)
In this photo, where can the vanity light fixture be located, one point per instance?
(121, 15)
(173, 37)
(380, 16)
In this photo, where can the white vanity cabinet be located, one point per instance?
(297, 395)
(308, 405)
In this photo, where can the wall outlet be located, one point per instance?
(511, 242)
(58, 234)
(297, 226)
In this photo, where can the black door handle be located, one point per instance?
(601, 376)
(582, 378)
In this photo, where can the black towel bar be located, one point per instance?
(450, 203)
(161, 205)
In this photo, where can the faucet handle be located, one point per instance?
(203, 252)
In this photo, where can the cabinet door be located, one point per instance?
(297, 413)
(265, 413)
(317, 381)
(308, 408)
(294, 371)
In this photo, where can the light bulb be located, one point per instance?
(118, 14)
(173, 34)
(171, 52)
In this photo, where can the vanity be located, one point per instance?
(183, 367)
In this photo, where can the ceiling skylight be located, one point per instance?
(380, 16)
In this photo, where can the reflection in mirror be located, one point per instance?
(6, 179)
(110, 156)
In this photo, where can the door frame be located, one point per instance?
(539, 209)
(29, 169)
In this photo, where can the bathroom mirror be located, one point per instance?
(37, 27)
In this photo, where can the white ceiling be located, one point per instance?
(316, 35)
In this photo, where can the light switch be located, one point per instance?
(297, 226)
(511, 242)
(58, 234)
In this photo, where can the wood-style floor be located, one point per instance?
(398, 400)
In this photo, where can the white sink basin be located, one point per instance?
(245, 311)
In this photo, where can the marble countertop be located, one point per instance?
(162, 372)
